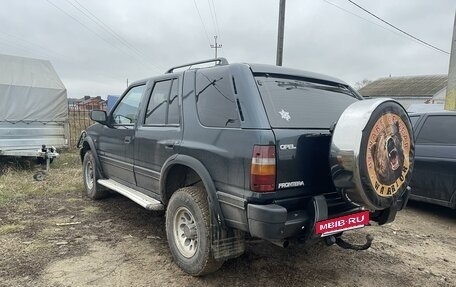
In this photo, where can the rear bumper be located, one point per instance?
(275, 222)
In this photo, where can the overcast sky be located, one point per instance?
(146, 37)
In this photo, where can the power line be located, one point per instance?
(117, 37)
(42, 52)
(202, 22)
(369, 21)
(398, 29)
(216, 21)
(365, 19)
(49, 52)
(94, 32)
(27, 50)
(108, 29)
(77, 20)
(212, 17)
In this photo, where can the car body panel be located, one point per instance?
(434, 175)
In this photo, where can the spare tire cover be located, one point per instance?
(372, 153)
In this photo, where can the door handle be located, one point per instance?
(127, 139)
(170, 144)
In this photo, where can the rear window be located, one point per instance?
(295, 103)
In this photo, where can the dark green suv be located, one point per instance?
(234, 151)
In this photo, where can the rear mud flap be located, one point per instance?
(318, 211)
(226, 243)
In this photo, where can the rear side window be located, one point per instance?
(438, 130)
(215, 101)
(295, 103)
(173, 109)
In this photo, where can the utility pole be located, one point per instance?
(450, 99)
(280, 33)
(216, 46)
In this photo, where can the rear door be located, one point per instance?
(301, 114)
(159, 132)
(116, 140)
(434, 173)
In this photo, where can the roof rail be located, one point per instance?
(221, 61)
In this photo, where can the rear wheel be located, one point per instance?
(91, 175)
(188, 231)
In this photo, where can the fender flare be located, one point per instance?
(92, 148)
(203, 173)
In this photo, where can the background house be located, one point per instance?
(408, 90)
(86, 103)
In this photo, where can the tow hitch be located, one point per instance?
(330, 240)
(48, 155)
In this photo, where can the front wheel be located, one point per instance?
(188, 231)
(91, 175)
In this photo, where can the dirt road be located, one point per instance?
(68, 240)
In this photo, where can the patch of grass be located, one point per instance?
(11, 228)
(17, 183)
(25, 207)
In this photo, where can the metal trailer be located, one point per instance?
(33, 108)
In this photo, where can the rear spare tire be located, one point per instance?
(372, 153)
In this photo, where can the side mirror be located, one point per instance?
(99, 116)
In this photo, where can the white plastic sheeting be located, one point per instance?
(33, 107)
(31, 91)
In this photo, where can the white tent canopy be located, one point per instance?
(31, 90)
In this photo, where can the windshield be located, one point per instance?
(294, 103)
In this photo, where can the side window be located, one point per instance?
(215, 101)
(158, 104)
(126, 111)
(173, 109)
(438, 130)
(163, 107)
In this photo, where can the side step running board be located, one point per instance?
(140, 198)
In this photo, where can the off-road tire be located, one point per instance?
(359, 157)
(381, 202)
(190, 205)
(90, 175)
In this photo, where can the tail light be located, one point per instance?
(263, 170)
